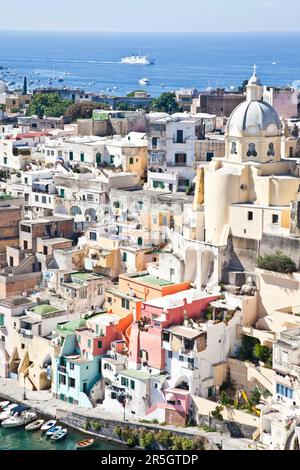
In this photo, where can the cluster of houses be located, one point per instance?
(128, 263)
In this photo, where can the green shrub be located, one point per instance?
(164, 438)
(118, 431)
(217, 413)
(277, 262)
(147, 440)
(187, 444)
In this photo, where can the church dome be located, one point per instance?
(254, 115)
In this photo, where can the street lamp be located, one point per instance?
(24, 391)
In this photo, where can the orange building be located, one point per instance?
(126, 298)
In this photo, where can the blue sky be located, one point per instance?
(151, 15)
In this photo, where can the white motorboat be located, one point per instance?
(144, 81)
(3, 405)
(7, 412)
(17, 421)
(137, 60)
(50, 424)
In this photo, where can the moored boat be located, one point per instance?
(59, 435)
(53, 430)
(85, 444)
(19, 420)
(35, 425)
(3, 405)
(48, 425)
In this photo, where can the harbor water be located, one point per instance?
(19, 439)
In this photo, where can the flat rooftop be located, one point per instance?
(177, 300)
(185, 331)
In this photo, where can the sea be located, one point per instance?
(92, 61)
(19, 439)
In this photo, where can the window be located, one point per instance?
(109, 300)
(165, 220)
(291, 152)
(89, 343)
(71, 382)
(79, 339)
(90, 197)
(144, 355)
(154, 142)
(181, 358)
(275, 218)
(132, 384)
(44, 199)
(62, 193)
(25, 228)
(170, 354)
(107, 367)
(100, 290)
(124, 381)
(5, 160)
(250, 215)
(140, 241)
(2, 319)
(71, 366)
(25, 245)
(154, 221)
(130, 161)
(98, 158)
(124, 257)
(284, 391)
(112, 159)
(62, 379)
(179, 137)
(117, 204)
(233, 150)
(178, 402)
(82, 157)
(271, 151)
(93, 236)
(125, 304)
(71, 156)
(209, 156)
(180, 159)
(36, 198)
(252, 151)
(99, 344)
(183, 182)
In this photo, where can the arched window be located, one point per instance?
(271, 152)
(233, 148)
(252, 151)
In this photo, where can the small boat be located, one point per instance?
(144, 81)
(53, 430)
(60, 79)
(85, 444)
(162, 85)
(3, 405)
(35, 425)
(50, 424)
(59, 435)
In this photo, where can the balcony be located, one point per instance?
(177, 164)
(62, 369)
(25, 333)
(179, 141)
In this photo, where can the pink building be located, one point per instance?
(146, 335)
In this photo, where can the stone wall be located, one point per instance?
(235, 430)
(107, 428)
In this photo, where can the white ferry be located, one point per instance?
(137, 60)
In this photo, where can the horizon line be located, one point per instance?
(145, 32)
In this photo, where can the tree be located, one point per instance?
(217, 413)
(246, 351)
(262, 353)
(277, 262)
(84, 110)
(166, 103)
(47, 104)
(243, 87)
(255, 396)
